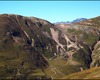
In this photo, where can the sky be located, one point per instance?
(53, 11)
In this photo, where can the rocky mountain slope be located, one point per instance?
(33, 48)
(88, 33)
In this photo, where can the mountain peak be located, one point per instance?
(78, 20)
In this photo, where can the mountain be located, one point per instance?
(78, 20)
(74, 21)
(67, 22)
(33, 48)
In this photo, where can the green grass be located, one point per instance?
(75, 32)
(61, 67)
(91, 39)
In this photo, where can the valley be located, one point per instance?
(33, 48)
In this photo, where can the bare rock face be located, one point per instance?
(96, 55)
(32, 48)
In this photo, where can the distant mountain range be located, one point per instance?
(74, 21)
(78, 20)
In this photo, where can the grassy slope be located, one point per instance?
(11, 56)
(58, 67)
(93, 73)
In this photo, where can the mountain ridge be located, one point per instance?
(30, 48)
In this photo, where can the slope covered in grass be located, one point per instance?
(93, 73)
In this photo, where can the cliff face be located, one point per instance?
(34, 48)
(96, 55)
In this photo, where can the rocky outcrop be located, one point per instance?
(96, 55)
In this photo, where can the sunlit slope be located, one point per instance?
(93, 73)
